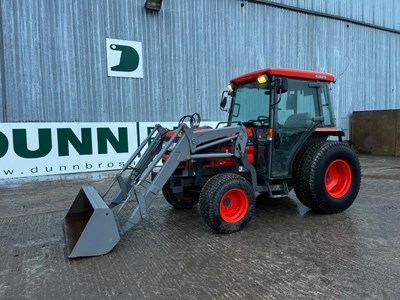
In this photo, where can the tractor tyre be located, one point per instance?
(311, 141)
(328, 177)
(184, 200)
(227, 202)
(295, 173)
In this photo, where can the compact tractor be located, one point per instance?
(280, 135)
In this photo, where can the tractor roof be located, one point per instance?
(301, 74)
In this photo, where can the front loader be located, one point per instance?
(280, 135)
(93, 227)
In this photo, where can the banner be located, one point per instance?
(37, 149)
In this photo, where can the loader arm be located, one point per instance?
(133, 190)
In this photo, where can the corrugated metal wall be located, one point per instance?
(55, 56)
(378, 12)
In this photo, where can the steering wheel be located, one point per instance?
(263, 120)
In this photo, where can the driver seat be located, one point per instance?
(301, 120)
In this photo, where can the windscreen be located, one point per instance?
(251, 102)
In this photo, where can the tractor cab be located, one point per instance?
(283, 108)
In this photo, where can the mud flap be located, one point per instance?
(89, 226)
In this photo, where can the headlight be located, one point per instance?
(262, 79)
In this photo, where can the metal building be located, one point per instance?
(53, 55)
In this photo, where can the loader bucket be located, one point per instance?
(90, 228)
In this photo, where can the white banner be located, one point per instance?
(37, 149)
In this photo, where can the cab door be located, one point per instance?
(293, 120)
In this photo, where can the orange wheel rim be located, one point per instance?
(338, 178)
(233, 205)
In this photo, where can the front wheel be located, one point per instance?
(328, 177)
(227, 202)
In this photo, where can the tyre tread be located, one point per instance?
(209, 211)
(307, 178)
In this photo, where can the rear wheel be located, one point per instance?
(227, 202)
(313, 140)
(328, 177)
(186, 199)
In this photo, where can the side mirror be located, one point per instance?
(222, 104)
(224, 100)
(281, 85)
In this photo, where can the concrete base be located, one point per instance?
(285, 252)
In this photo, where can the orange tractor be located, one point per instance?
(280, 135)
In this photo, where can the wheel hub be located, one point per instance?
(227, 202)
(233, 205)
(338, 178)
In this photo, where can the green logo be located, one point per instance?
(129, 61)
(124, 58)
